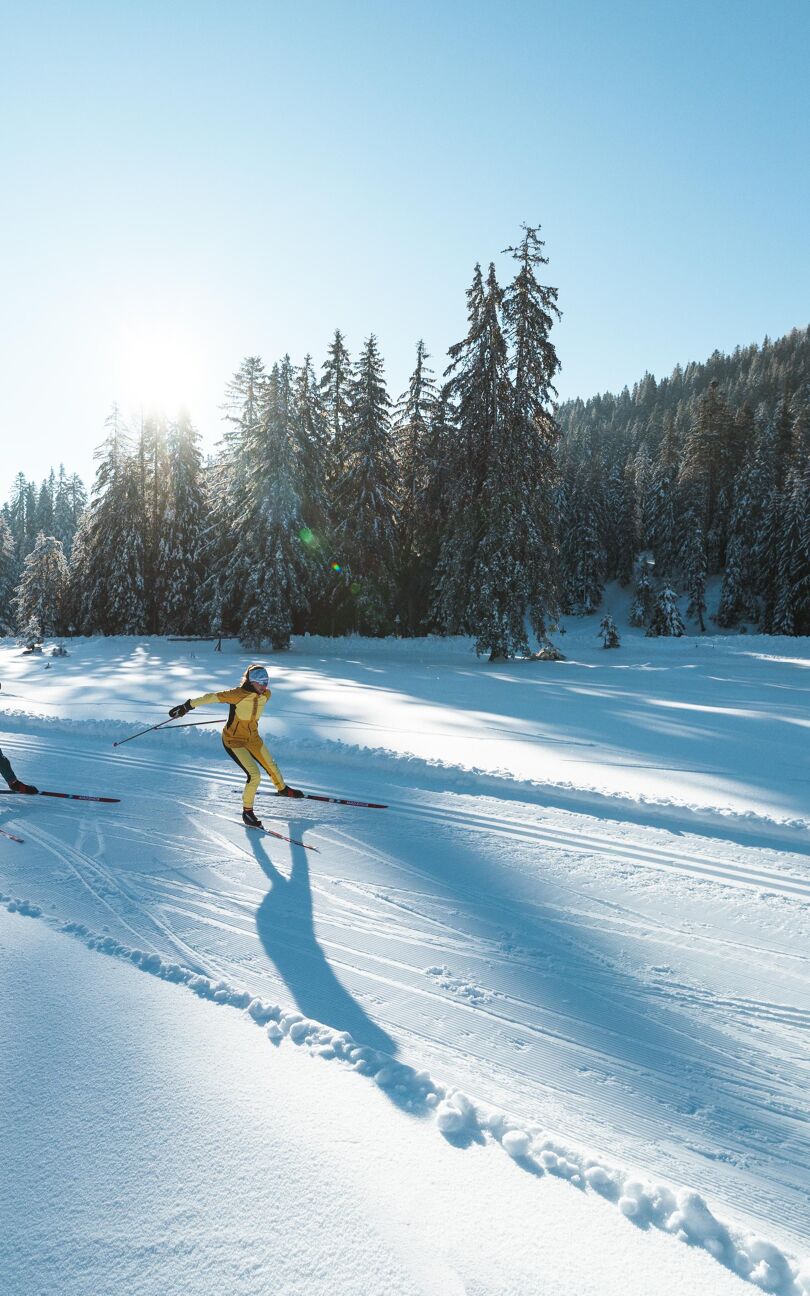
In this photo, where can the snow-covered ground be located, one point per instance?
(579, 932)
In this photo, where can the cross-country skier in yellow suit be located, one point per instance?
(241, 738)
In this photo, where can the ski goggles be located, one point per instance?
(259, 677)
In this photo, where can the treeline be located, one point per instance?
(53, 508)
(469, 505)
(329, 507)
(704, 473)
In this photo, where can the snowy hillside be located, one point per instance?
(579, 931)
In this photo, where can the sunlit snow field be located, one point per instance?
(579, 932)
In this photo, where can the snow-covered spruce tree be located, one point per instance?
(179, 543)
(78, 610)
(44, 513)
(42, 591)
(737, 594)
(61, 517)
(498, 565)
(645, 498)
(792, 608)
(627, 542)
(693, 565)
(530, 309)
(70, 502)
(439, 451)
(17, 516)
(706, 455)
(769, 553)
(226, 557)
(111, 597)
(782, 439)
(31, 528)
(8, 575)
(663, 530)
(480, 391)
(311, 435)
(666, 618)
(336, 385)
(641, 608)
(154, 487)
(267, 545)
(366, 498)
(610, 522)
(608, 631)
(583, 555)
(414, 427)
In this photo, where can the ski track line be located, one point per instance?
(712, 868)
(340, 953)
(216, 774)
(346, 957)
(488, 952)
(501, 827)
(461, 1051)
(75, 858)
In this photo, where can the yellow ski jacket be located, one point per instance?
(246, 706)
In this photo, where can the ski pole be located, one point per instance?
(190, 724)
(141, 732)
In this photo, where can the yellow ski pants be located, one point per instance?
(249, 758)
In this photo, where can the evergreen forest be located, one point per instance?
(473, 503)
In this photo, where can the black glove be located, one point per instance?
(181, 710)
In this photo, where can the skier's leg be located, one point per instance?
(250, 769)
(6, 771)
(266, 761)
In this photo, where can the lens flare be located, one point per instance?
(336, 567)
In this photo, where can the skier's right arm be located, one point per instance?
(228, 695)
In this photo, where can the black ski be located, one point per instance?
(315, 796)
(11, 837)
(365, 805)
(69, 796)
(271, 832)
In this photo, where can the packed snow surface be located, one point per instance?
(575, 944)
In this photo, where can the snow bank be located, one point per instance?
(682, 1212)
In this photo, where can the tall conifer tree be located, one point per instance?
(366, 496)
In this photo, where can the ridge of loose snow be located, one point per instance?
(682, 1212)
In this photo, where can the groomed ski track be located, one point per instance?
(532, 956)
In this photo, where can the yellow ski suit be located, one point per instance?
(241, 738)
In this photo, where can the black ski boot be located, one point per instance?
(249, 819)
(17, 786)
(290, 792)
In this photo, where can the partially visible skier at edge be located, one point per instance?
(241, 738)
(15, 784)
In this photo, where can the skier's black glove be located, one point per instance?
(181, 710)
(289, 792)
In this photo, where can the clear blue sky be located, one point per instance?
(186, 181)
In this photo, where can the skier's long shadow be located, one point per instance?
(284, 921)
